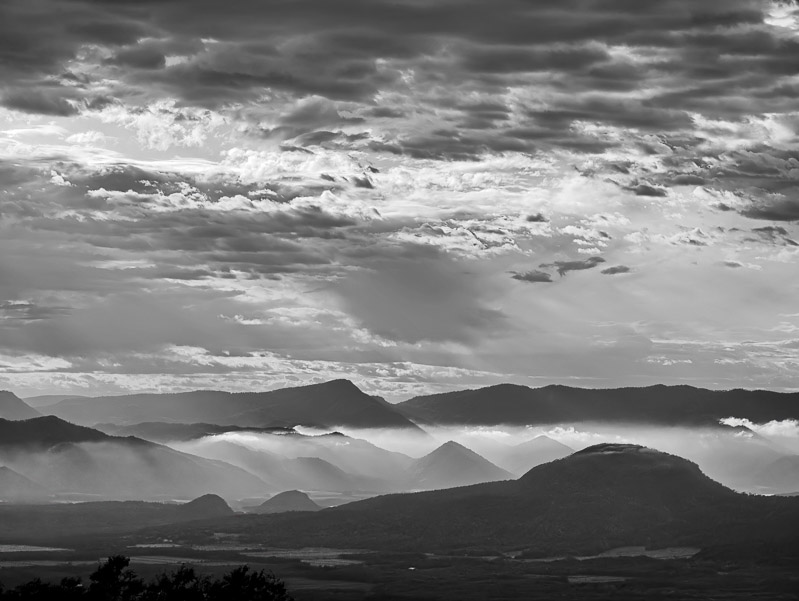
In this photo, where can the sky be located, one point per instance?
(417, 195)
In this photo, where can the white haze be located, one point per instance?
(738, 458)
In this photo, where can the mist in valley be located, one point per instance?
(746, 457)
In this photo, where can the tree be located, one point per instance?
(113, 581)
(243, 585)
(182, 585)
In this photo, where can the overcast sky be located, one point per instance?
(418, 195)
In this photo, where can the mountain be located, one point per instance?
(205, 507)
(452, 465)
(290, 500)
(293, 460)
(179, 432)
(780, 476)
(71, 459)
(334, 403)
(13, 407)
(541, 449)
(510, 404)
(602, 497)
(45, 400)
(16, 488)
(45, 432)
(737, 457)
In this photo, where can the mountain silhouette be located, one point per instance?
(600, 498)
(13, 407)
(452, 465)
(67, 458)
(510, 404)
(290, 500)
(541, 449)
(205, 507)
(289, 460)
(45, 432)
(45, 400)
(334, 403)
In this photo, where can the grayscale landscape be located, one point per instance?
(406, 300)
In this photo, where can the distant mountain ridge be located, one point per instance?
(330, 404)
(510, 404)
(67, 458)
(13, 407)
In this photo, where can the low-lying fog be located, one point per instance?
(745, 456)
(351, 463)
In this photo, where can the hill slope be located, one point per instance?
(290, 500)
(452, 465)
(204, 507)
(16, 488)
(667, 405)
(57, 521)
(334, 403)
(73, 459)
(13, 407)
(45, 400)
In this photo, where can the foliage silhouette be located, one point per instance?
(115, 581)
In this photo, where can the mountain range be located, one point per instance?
(327, 405)
(603, 497)
(510, 404)
(70, 459)
(341, 403)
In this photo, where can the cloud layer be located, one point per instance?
(414, 195)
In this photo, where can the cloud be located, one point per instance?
(41, 101)
(532, 276)
(322, 184)
(537, 218)
(564, 267)
(616, 269)
(781, 209)
(788, 428)
(647, 190)
(425, 297)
